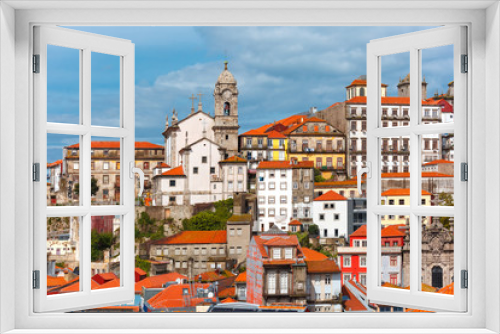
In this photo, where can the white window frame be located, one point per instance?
(16, 53)
(86, 44)
(412, 43)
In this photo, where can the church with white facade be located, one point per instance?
(200, 150)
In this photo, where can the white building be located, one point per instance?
(330, 214)
(234, 174)
(274, 194)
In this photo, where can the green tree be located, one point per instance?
(445, 199)
(317, 176)
(94, 188)
(143, 264)
(313, 229)
(208, 220)
(99, 243)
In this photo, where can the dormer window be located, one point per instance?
(276, 253)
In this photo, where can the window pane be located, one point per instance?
(437, 254)
(63, 170)
(63, 251)
(105, 252)
(395, 170)
(105, 171)
(63, 85)
(437, 85)
(437, 173)
(105, 90)
(395, 256)
(395, 98)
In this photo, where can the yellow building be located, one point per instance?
(401, 197)
(316, 140)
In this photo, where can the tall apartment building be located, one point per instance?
(350, 117)
(285, 191)
(105, 167)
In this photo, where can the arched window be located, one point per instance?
(362, 91)
(437, 277)
(227, 108)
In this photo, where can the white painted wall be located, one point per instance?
(330, 224)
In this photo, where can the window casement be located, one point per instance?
(87, 46)
(415, 44)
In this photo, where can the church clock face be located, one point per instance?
(226, 95)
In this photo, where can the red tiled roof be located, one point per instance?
(401, 192)
(116, 144)
(110, 284)
(242, 277)
(162, 165)
(360, 232)
(274, 165)
(55, 281)
(54, 164)
(234, 158)
(209, 276)
(312, 255)
(260, 240)
(74, 286)
(195, 237)
(279, 262)
(228, 292)
(279, 241)
(388, 100)
(439, 161)
(158, 281)
(315, 119)
(322, 267)
(353, 304)
(228, 300)
(287, 122)
(294, 223)
(104, 277)
(140, 272)
(177, 171)
(448, 290)
(331, 196)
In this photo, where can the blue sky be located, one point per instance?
(280, 71)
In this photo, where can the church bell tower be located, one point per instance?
(226, 112)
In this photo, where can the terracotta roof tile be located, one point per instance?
(360, 232)
(401, 192)
(392, 231)
(116, 145)
(331, 196)
(281, 241)
(54, 164)
(172, 296)
(177, 171)
(275, 134)
(295, 223)
(439, 161)
(340, 184)
(162, 165)
(274, 165)
(312, 255)
(194, 237)
(227, 292)
(55, 281)
(322, 267)
(234, 158)
(242, 277)
(407, 175)
(140, 272)
(158, 281)
(228, 300)
(388, 100)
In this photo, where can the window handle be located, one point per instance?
(134, 170)
(363, 170)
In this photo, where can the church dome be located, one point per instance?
(226, 77)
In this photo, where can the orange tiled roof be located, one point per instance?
(260, 240)
(278, 241)
(392, 231)
(162, 165)
(228, 300)
(55, 163)
(234, 158)
(359, 82)
(439, 161)
(140, 272)
(275, 134)
(295, 223)
(228, 292)
(287, 122)
(133, 309)
(401, 192)
(55, 281)
(327, 184)
(195, 237)
(75, 286)
(312, 255)
(360, 232)
(389, 100)
(279, 262)
(158, 281)
(104, 277)
(242, 277)
(110, 284)
(322, 267)
(172, 296)
(331, 196)
(448, 290)
(353, 304)
(274, 165)
(177, 171)
(116, 144)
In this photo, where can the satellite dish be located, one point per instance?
(210, 295)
